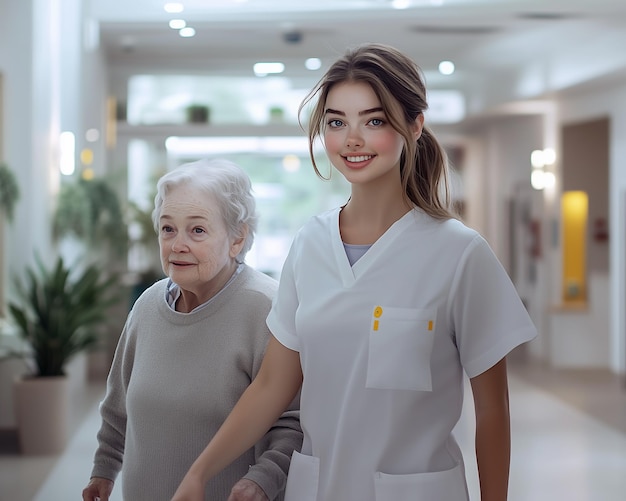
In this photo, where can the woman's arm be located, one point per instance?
(493, 437)
(273, 452)
(259, 407)
(111, 436)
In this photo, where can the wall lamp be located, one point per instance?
(67, 152)
(542, 162)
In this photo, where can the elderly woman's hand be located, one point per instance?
(247, 490)
(98, 488)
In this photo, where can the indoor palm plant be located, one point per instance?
(59, 314)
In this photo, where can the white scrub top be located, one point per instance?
(383, 346)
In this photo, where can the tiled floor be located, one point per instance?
(568, 434)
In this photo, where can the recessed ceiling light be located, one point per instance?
(401, 4)
(313, 63)
(187, 32)
(446, 67)
(173, 7)
(263, 69)
(177, 24)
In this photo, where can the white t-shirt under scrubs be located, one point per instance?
(383, 346)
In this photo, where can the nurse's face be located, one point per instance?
(359, 140)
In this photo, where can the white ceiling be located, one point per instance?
(504, 50)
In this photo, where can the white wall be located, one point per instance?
(49, 87)
(505, 144)
(510, 142)
(15, 38)
(610, 102)
(32, 88)
(497, 169)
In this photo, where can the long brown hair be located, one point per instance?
(398, 84)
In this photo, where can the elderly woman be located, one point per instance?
(191, 345)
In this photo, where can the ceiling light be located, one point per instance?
(541, 158)
(541, 176)
(88, 174)
(187, 32)
(446, 67)
(537, 179)
(291, 163)
(262, 69)
(401, 4)
(549, 156)
(86, 156)
(173, 7)
(313, 63)
(92, 135)
(177, 24)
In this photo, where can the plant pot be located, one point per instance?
(198, 114)
(41, 412)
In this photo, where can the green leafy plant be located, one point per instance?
(9, 191)
(58, 315)
(198, 113)
(142, 219)
(91, 211)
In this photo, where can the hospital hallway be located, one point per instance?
(568, 442)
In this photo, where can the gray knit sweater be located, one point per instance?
(174, 379)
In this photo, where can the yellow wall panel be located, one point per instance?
(574, 210)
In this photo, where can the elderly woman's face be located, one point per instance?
(196, 250)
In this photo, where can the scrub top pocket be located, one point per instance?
(400, 345)
(303, 478)
(446, 485)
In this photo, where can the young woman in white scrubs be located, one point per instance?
(383, 305)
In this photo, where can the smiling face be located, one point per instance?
(197, 252)
(359, 140)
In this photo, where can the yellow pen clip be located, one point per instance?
(378, 311)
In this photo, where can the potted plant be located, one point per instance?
(59, 314)
(9, 191)
(277, 114)
(198, 114)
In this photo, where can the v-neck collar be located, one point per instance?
(350, 274)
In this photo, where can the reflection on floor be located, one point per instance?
(568, 434)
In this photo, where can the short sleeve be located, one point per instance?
(487, 314)
(281, 319)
